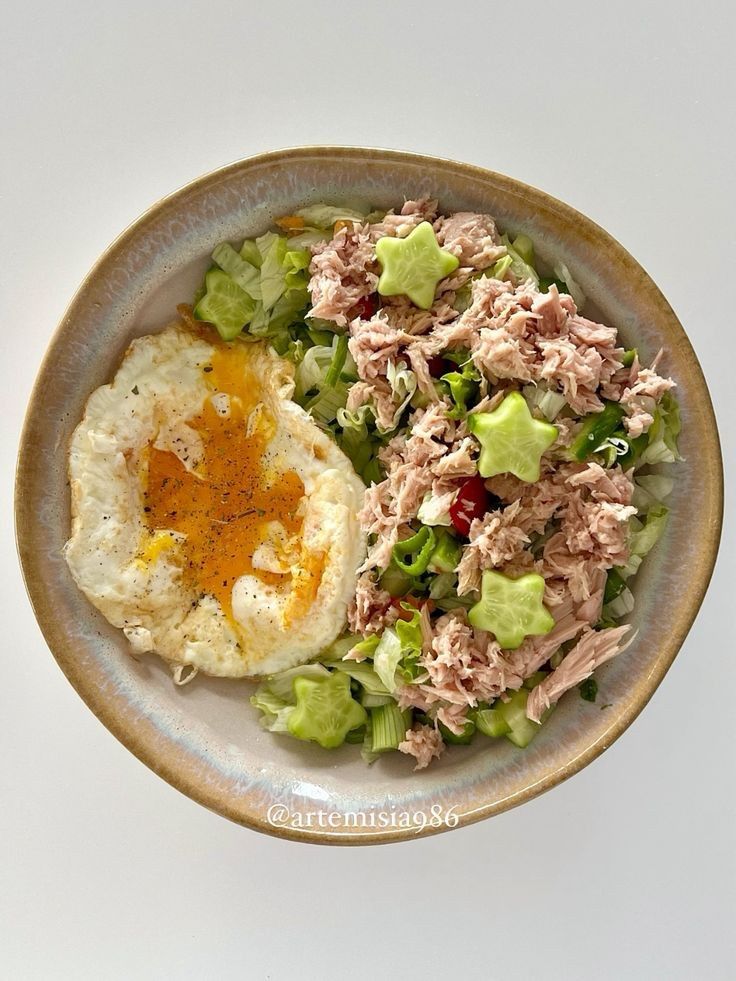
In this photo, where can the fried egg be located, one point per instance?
(212, 520)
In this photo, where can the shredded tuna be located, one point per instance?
(463, 665)
(379, 396)
(577, 571)
(640, 399)
(552, 310)
(536, 651)
(411, 215)
(423, 743)
(410, 477)
(371, 609)
(472, 238)
(597, 529)
(343, 271)
(499, 355)
(459, 462)
(373, 344)
(593, 649)
(570, 526)
(494, 540)
(576, 369)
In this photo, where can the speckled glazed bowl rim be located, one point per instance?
(143, 740)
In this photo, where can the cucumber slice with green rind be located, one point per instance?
(325, 710)
(224, 305)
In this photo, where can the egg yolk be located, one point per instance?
(223, 507)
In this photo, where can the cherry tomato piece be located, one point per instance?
(439, 366)
(471, 502)
(365, 308)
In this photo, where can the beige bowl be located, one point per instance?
(205, 739)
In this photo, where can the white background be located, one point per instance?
(625, 111)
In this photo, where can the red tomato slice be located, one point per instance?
(365, 308)
(439, 366)
(471, 502)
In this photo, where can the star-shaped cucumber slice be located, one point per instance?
(413, 266)
(511, 439)
(511, 609)
(325, 711)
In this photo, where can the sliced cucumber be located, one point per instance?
(325, 710)
(491, 722)
(465, 737)
(521, 730)
(224, 305)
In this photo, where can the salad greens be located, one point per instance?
(260, 291)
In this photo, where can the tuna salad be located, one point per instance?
(513, 455)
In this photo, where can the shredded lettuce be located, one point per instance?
(339, 648)
(541, 397)
(281, 269)
(519, 270)
(443, 586)
(663, 433)
(573, 288)
(325, 215)
(323, 379)
(367, 646)
(275, 696)
(386, 658)
(309, 237)
(651, 489)
(312, 371)
(430, 513)
(409, 632)
(619, 607)
(643, 537)
(358, 443)
(272, 275)
(397, 651)
(364, 673)
(646, 538)
(403, 384)
(246, 275)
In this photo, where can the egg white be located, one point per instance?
(134, 576)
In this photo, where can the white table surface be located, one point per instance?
(625, 111)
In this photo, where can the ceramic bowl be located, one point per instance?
(205, 739)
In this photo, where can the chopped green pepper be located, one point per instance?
(463, 386)
(417, 550)
(588, 689)
(627, 358)
(447, 552)
(463, 739)
(546, 281)
(597, 428)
